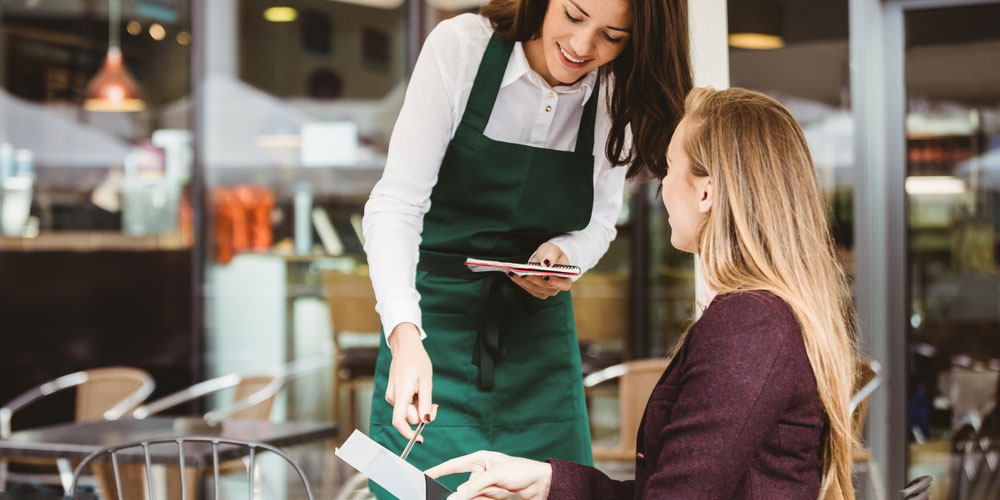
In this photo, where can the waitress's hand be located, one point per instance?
(497, 476)
(410, 377)
(544, 287)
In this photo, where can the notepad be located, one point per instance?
(396, 475)
(527, 269)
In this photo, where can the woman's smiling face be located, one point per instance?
(578, 36)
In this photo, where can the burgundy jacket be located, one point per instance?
(735, 415)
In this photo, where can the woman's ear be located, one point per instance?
(705, 194)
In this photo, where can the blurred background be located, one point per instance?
(182, 184)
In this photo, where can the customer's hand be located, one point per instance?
(544, 287)
(497, 476)
(410, 378)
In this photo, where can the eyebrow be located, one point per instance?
(588, 15)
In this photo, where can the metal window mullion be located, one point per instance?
(877, 105)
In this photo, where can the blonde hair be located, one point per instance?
(768, 230)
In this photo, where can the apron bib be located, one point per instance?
(507, 371)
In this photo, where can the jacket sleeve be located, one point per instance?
(737, 383)
(572, 481)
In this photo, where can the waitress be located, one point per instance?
(510, 146)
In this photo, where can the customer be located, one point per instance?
(755, 403)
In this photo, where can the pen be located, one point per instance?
(406, 451)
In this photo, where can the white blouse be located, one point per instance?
(528, 111)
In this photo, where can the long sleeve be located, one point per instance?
(743, 363)
(572, 481)
(394, 213)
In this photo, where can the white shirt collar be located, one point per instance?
(518, 68)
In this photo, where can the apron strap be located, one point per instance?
(585, 134)
(486, 86)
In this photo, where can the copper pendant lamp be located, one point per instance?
(113, 89)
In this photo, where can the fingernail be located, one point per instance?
(546, 278)
(510, 274)
(547, 263)
(427, 418)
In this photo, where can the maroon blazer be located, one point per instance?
(735, 415)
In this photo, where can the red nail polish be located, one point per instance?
(547, 263)
(546, 278)
(510, 274)
(427, 418)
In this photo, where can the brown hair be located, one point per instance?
(768, 230)
(651, 76)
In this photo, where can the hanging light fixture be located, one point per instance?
(756, 24)
(113, 89)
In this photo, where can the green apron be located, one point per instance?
(506, 365)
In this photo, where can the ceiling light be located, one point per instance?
(756, 24)
(755, 41)
(280, 14)
(184, 38)
(157, 32)
(113, 89)
(133, 28)
(944, 184)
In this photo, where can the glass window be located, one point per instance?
(798, 54)
(95, 211)
(92, 153)
(953, 196)
(298, 104)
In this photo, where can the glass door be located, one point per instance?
(952, 193)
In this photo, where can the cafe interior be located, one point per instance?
(182, 184)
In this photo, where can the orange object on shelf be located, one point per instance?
(243, 220)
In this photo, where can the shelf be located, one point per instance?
(92, 241)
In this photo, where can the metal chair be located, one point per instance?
(253, 397)
(918, 489)
(636, 380)
(115, 455)
(868, 377)
(355, 488)
(101, 393)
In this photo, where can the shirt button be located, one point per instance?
(548, 108)
(550, 95)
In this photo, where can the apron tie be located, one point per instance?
(488, 346)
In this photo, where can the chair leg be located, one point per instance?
(352, 392)
(335, 396)
(65, 473)
(875, 478)
(258, 482)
